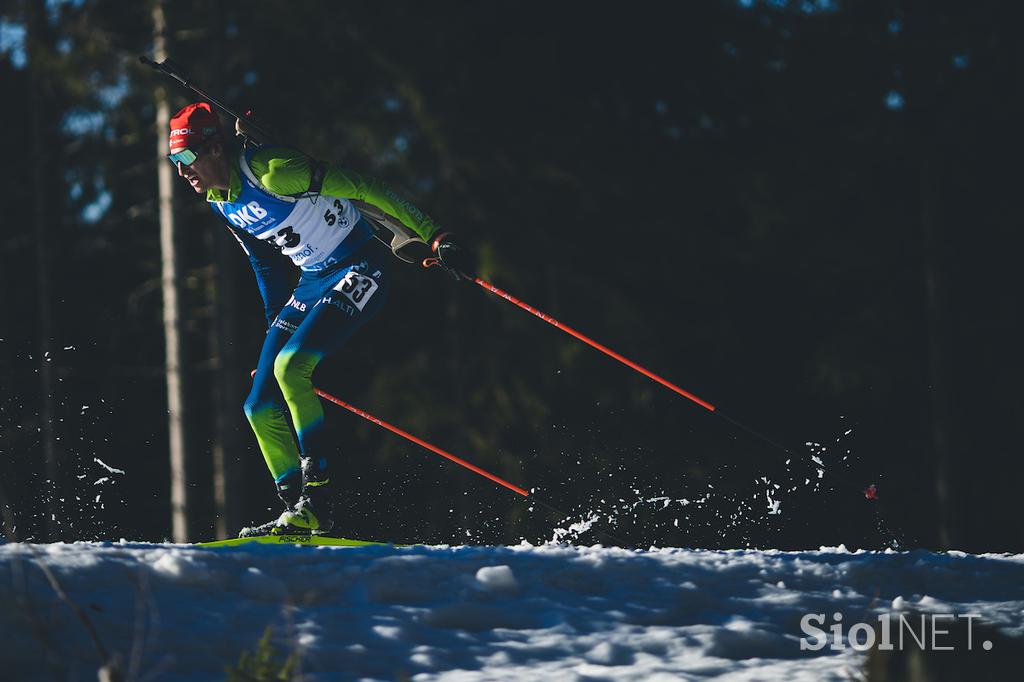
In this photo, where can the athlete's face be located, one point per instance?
(208, 171)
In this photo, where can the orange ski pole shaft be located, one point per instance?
(871, 493)
(422, 443)
(419, 441)
(593, 344)
(458, 460)
(626, 361)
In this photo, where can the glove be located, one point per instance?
(455, 259)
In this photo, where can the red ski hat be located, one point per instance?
(192, 126)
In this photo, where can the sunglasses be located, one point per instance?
(186, 157)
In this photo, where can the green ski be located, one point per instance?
(293, 540)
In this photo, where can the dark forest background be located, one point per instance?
(806, 213)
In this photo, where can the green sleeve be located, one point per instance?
(286, 171)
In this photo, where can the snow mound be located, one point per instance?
(497, 578)
(475, 613)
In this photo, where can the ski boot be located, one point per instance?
(289, 490)
(315, 508)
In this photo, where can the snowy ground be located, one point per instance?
(552, 612)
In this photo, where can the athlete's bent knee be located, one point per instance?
(251, 405)
(294, 371)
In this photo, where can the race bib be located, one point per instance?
(357, 287)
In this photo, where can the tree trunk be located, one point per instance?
(940, 374)
(41, 231)
(170, 281)
(228, 378)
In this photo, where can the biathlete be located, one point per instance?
(282, 205)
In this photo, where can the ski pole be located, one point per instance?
(609, 352)
(594, 344)
(461, 462)
(431, 262)
(419, 441)
(870, 493)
